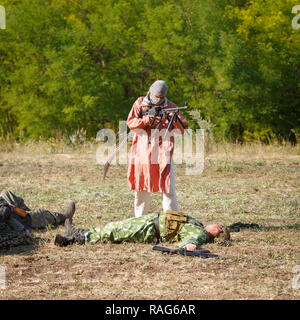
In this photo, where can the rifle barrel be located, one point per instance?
(159, 110)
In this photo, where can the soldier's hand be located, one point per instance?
(148, 120)
(190, 247)
(156, 121)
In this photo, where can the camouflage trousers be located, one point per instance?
(139, 229)
(40, 218)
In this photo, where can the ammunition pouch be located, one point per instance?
(173, 222)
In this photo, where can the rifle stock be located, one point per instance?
(19, 211)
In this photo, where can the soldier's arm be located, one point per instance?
(134, 121)
(192, 235)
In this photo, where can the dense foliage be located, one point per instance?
(72, 64)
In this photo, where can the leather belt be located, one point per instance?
(156, 225)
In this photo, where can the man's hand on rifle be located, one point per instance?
(147, 119)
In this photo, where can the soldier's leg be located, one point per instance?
(81, 236)
(14, 200)
(131, 230)
(142, 203)
(169, 201)
(41, 218)
(140, 229)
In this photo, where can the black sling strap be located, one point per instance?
(197, 223)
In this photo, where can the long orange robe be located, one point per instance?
(149, 167)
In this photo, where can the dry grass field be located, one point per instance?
(247, 184)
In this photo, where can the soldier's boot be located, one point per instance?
(60, 218)
(77, 233)
(62, 241)
(71, 236)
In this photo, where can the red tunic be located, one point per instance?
(149, 167)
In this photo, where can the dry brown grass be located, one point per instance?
(251, 183)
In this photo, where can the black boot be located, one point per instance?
(77, 234)
(62, 241)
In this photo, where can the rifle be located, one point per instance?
(199, 253)
(162, 112)
(155, 111)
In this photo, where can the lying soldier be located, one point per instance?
(15, 213)
(169, 226)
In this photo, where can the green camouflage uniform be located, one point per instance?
(142, 229)
(40, 218)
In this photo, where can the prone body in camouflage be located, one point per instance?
(12, 231)
(142, 229)
(39, 218)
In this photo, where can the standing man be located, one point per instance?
(151, 167)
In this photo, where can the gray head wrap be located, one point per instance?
(159, 88)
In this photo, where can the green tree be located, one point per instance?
(70, 64)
